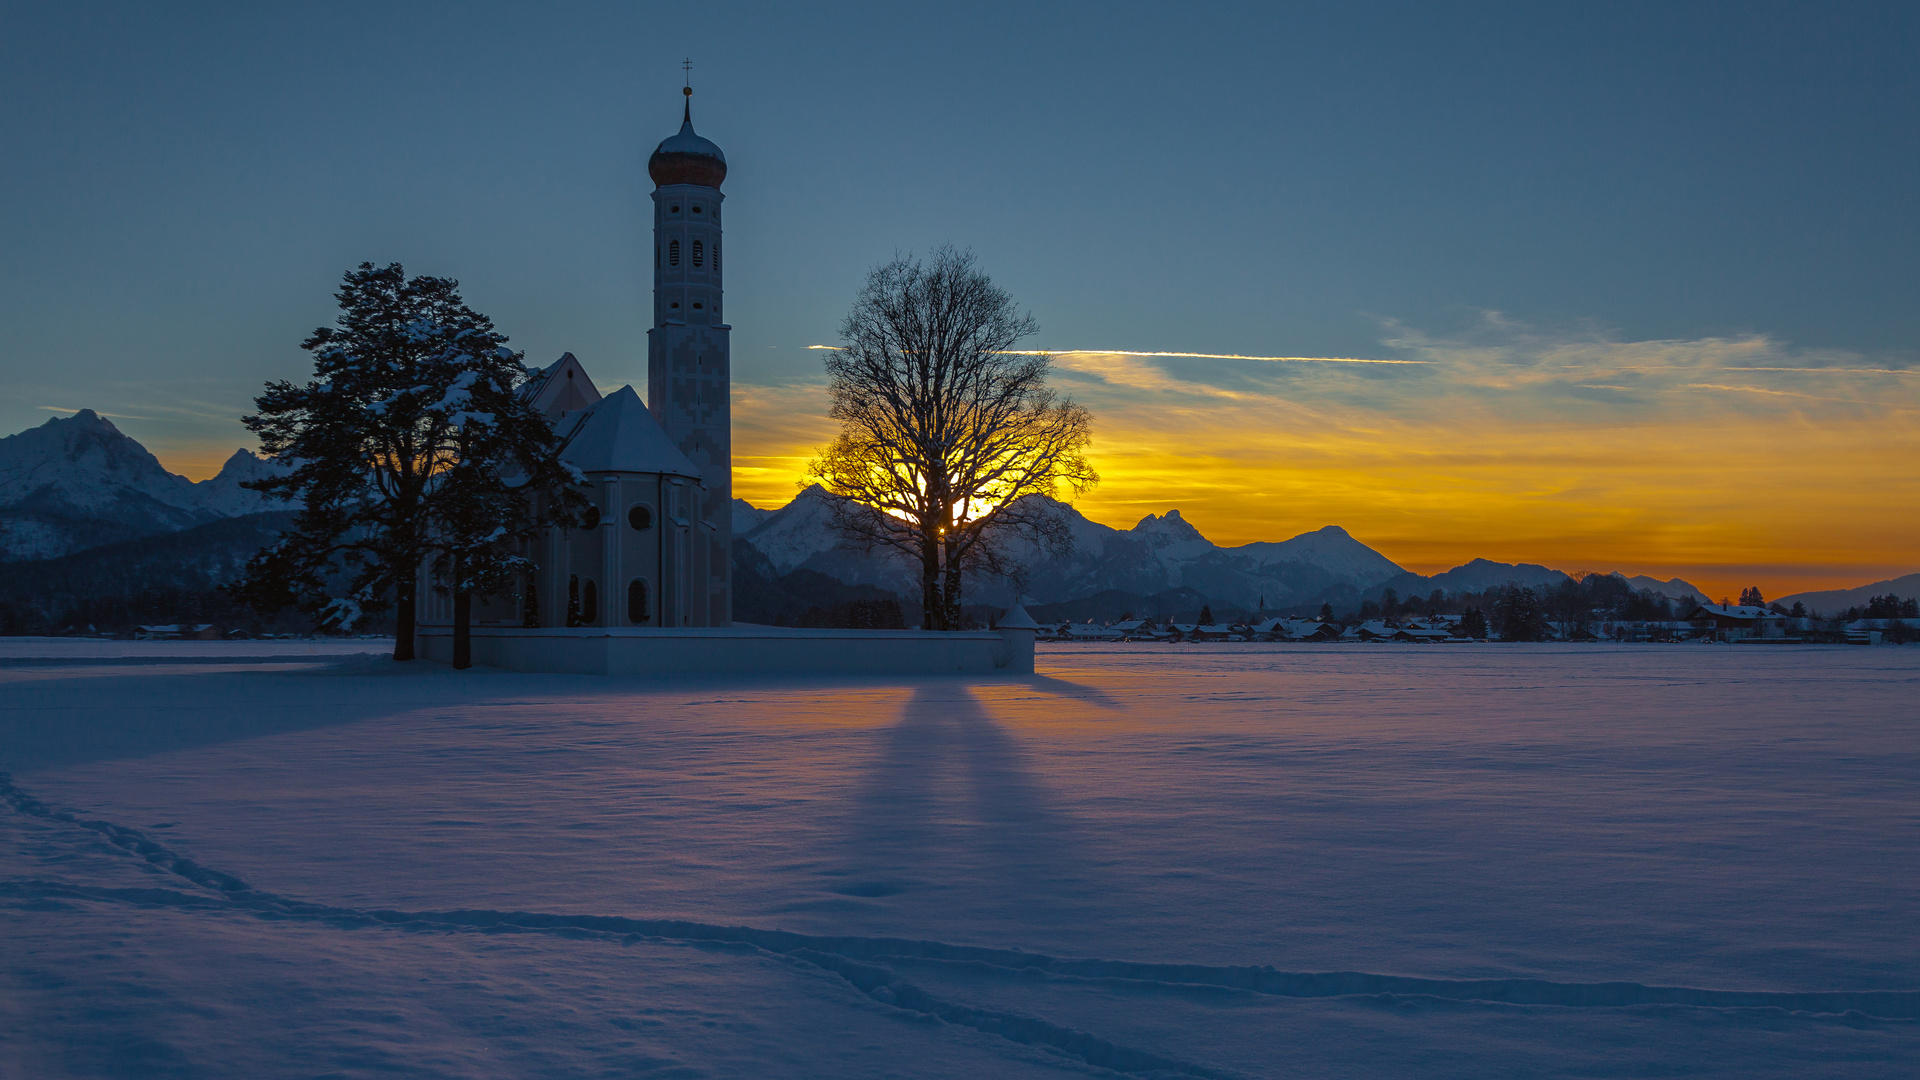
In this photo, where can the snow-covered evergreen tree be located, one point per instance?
(409, 444)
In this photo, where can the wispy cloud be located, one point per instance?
(111, 415)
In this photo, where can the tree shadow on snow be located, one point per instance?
(1079, 691)
(60, 718)
(950, 803)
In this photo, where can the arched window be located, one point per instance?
(637, 609)
(673, 253)
(640, 517)
(716, 256)
(699, 253)
(589, 602)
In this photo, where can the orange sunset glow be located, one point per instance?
(1729, 462)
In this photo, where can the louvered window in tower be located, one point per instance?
(673, 253)
(699, 253)
(716, 256)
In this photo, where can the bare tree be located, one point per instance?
(947, 431)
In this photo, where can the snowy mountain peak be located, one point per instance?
(85, 463)
(797, 531)
(87, 419)
(223, 495)
(747, 516)
(1169, 525)
(78, 481)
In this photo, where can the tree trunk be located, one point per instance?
(403, 623)
(950, 590)
(930, 603)
(462, 616)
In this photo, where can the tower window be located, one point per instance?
(696, 209)
(673, 253)
(699, 253)
(697, 305)
(716, 256)
(674, 209)
(675, 305)
(637, 610)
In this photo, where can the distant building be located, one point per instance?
(1731, 622)
(1873, 631)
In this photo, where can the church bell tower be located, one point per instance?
(688, 369)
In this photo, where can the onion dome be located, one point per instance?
(687, 158)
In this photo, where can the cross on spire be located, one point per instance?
(687, 66)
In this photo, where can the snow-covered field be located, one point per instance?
(1185, 861)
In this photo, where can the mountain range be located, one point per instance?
(1831, 600)
(77, 482)
(1160, 554)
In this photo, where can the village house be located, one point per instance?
(1732, 622)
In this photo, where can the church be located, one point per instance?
(655, 549)
(644, 584)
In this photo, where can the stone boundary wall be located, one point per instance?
(737, 649)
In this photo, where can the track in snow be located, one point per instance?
(869, 964)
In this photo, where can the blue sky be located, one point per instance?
(183, 188)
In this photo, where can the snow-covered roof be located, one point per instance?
(1735, 611)
(561, 389)
(1017, 618)
(686, 141)
(620, 435)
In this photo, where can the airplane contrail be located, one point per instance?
(1199, 356)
